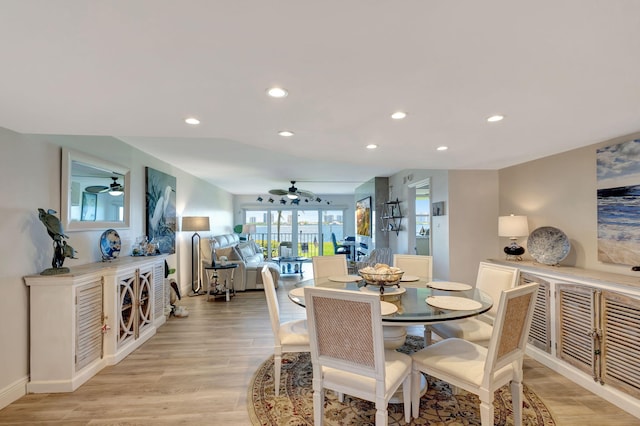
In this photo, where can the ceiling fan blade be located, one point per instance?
(278, 192)
(97, 189)
(306, 194)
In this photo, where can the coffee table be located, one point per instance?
(290, 265)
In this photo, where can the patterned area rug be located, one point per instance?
(438, 406)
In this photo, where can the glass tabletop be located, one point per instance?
(411, 300)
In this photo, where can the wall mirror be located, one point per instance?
(94, 193)
(423, 216)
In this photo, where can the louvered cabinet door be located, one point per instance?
(540, 332)
(576, 317)
(621, 342)
(89, 316)
(158, 291)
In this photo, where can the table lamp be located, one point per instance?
(513, 227)
(248, 229)
(195, 224)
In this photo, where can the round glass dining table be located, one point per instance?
(412, 300)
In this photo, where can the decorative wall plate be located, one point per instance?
(110, 244)
(548, 245)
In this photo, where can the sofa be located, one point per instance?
(247, 254)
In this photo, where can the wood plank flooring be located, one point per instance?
(196, 370)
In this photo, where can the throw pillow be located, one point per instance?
(246, 250)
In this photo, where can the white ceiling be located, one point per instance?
(565, 73)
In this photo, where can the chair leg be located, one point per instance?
(516, 398)
(427, 335)
(382, 415)
(277, 365)
(406, 396)
(318, 406)
(340, 397)
(486, 413)
(415, 393)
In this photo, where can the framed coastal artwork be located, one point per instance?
(161, 209)
(618, 191)
(363, 217)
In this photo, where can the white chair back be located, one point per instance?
(413, 264)
(345, 332)
(493, 279)
(510, 329)
(272, 302)
(326, 266)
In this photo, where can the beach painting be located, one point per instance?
(618, 186)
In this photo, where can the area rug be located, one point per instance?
(439, 406)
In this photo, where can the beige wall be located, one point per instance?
(560, 191)
(30, 172)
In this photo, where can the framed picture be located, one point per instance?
(89, 207)
(363, 217)
(437, 209)
(618, 197)
(161, 209)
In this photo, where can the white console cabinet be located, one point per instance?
(586, 326)
(92, 317)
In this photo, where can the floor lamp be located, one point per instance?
(195, 224)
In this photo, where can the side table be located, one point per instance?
(220, 282)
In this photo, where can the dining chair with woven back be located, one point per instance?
(492, 279)
(481, 370)
(414, 264)
(348, 354)
(290, 336)
(326, 266)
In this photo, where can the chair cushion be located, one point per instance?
(457, 358)
(471, 329)
(294, 333)
(397, 366)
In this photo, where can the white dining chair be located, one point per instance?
(414, 264)
(291, 336)
(492, 279)
(348, 355)
(326, 266)
(481, 370)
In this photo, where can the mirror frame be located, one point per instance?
(68, 156)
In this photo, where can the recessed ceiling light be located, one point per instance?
(495, 118)
(398, 115)
(192, 120)
(372, 146)
(285, 133)
(442, 148)
(277, 92)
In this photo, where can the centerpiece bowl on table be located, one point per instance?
(381, 275)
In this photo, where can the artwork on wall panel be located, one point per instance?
(161, 209)
(618, 191)
(89, 206)
(363, 217)
(437, 209)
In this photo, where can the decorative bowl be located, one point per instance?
(381, 279)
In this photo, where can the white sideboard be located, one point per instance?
(92, 317)
(586, 326)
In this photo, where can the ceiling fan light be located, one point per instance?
(292, 196)
(116, 193)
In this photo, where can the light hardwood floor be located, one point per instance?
(196, 370)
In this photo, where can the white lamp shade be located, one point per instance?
(248, 228)
(196, 223)
(513, 226)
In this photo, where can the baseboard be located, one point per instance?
(13, 392)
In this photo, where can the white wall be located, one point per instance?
(30, 172)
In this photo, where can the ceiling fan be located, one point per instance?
(293, 193)
(114, 189)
